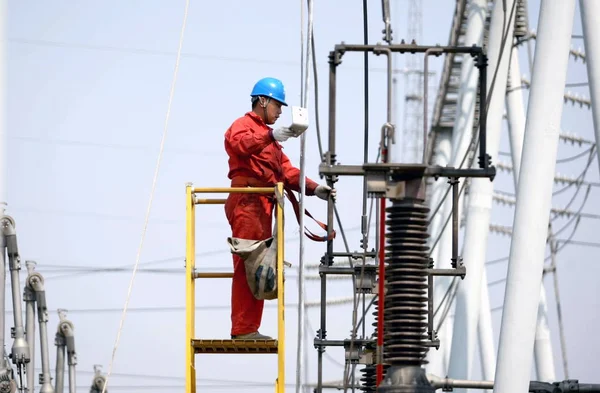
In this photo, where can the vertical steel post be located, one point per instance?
(534, 196)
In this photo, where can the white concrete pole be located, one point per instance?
(486, 333)
(461, 138)
(590, 18)
(542, 346)
(534, 196)
(480, 199)
(544, 359)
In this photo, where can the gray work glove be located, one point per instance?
(282, 134)
(323, 191)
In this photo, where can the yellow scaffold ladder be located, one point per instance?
(194, 345)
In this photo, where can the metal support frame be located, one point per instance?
(389, 180)
(566, 386)
(34, 285)
(99, 380)
(193, 345)
(65, 339)
(20, 351)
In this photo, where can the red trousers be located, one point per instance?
(250, 217)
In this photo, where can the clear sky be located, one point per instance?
(88, 87)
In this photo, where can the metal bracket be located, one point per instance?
(366, 278)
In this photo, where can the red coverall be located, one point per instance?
(257, 160)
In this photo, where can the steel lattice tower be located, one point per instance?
(412, 135)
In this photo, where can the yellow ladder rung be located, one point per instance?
(234, 346)
(204, 201)
(227, 190)
(213, 275)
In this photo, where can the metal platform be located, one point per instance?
(234, 346)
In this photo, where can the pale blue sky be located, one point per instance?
(88, 86)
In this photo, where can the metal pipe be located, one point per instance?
(20, 349)
(59, 381)
(468, 297)
(330, 155)
(450, 384)
(590, 10)
(365, 169)
(66, 330)
(29, 298)
(36, 281)
(322, 333)
(328, 259)
(455, 201)
(544, 359)
(442, 158)
(406, 48)
(364, 230)
(534, 196)
(386, 129)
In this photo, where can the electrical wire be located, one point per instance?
(579, 178)
(304, 81)
(575, 157)
(156, 171)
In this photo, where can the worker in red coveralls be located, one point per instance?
(256, 159)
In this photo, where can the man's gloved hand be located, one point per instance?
(282, 134)
(323, 191)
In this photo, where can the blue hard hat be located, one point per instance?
(270, 87)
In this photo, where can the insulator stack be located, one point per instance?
(407, 258)
(368, 379)
(521, 19)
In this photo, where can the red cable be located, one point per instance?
(381, 290)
